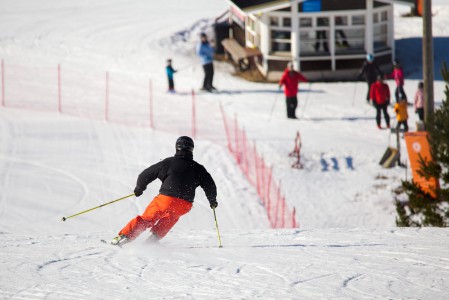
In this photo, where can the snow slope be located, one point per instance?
(54, 165)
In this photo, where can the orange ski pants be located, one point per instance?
(160, 215)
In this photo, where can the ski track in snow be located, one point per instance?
(53, 165)
(392, 264)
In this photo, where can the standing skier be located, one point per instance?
(206, 52)
(290, 80)
(380, 96)
(180, 176)
(170, 72)
(398, 76)
(419, 101)
(370, 70)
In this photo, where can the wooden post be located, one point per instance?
(427, 53)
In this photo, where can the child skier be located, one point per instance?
(180, 176)
(419, 101)
(170, 72)
(400, 109)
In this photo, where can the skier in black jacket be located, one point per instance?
(180, 176)
(370, 70)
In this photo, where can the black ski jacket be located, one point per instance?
(370, 71)
(180, 176)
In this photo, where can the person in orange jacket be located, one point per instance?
(400, 109)
(380, 96)
(180, 176)
(290, 80)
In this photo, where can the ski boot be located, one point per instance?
(120, 240)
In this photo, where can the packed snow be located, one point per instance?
(54, 165)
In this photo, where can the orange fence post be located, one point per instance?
(283, 212)
(225, 123)
(294, 225)
(236, 138)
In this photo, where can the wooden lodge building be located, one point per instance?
(325, 39)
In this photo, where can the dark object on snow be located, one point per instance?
(221, 31)
(390, 158)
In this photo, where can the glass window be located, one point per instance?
(341, 20)
(376, 18)
(358, 20)
(314, 42)
(287, 22)
(280, 35)
(305, 22)
(380, 36)
(322, 22)
(349, 39)
(274, 21)
(280, 40)
(280, 47)
(384, 16)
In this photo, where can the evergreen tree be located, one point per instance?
(422, 209)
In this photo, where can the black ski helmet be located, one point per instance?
(184, 143)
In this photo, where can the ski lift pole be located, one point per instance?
(88, 210)
(273, 106)
(218, 231)
(305, 102)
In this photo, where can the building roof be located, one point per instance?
(253, 6)
(257, 6)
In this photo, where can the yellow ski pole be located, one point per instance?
(218, 231)
(104, 204)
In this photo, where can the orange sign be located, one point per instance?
(418, 145)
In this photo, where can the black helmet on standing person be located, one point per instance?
(184, 143)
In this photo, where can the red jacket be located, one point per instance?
(398, 76)
(380, 93)
(290, 81)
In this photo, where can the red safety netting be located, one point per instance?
(256, 170)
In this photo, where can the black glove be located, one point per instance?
(138, 191)
(213, 204)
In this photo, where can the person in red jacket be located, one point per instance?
(380, 96)
(290, 80)
(398, 76)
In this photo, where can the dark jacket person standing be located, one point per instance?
(180, 176)
(290, 80)
(370, 70)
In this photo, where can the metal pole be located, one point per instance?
(218, 231)
(88, 210)
(428, 60)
